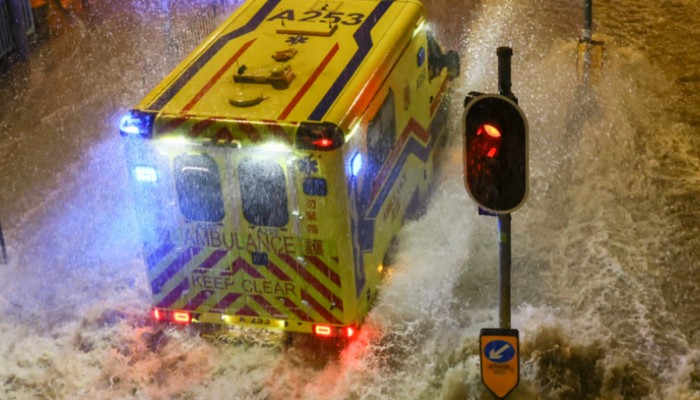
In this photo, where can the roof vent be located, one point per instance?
(278, 77)
(284, 55)
(242, 99)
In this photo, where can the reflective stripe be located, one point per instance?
(305, 275)
(319, 308)
(174, 295)
(173, 269)
(302, 301)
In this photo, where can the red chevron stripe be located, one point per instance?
(325, 270)
(224, 134)
(276, 271)
(296, 310)
(229, 299)
(173, 124)
(267, 306)
(319, 308)
(174, 295)
(174, 268)
(211, 261)
(247, 311)
(241, 265)
(248, 128)
(278, 131)
(200, 127)
(198, 300)
(304, 274)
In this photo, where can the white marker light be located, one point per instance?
(146, 174)
(275, 147)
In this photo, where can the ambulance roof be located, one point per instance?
(290, 60)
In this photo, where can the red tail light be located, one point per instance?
(349, 332)
(345, 332)
(319, 136)
(323, 143)
(180, 317)
(323, 330)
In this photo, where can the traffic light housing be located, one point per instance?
(495, 153)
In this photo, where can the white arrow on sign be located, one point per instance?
(497, 354)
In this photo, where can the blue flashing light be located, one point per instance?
(421, 56)
(146, 174)
(137, 123)
(356, 164)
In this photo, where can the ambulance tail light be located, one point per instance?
(323, 330)
(138, 124)
(329, 331)
(178, 317)
(349, 332)
(182, 317)
(324, 136)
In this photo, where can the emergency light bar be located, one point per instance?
(137, 124)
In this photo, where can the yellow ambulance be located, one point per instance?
(274, 166)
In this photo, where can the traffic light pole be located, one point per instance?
(495, 176)
(504, 264)
(504, 257)
(504, 83)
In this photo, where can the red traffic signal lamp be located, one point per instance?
(495, 153)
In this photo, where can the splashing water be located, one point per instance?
(605, 249)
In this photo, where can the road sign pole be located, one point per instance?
(504, 264)
(587, 32)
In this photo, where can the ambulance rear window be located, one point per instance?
(198, 187)
(263, 192)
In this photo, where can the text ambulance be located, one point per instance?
(273, 167)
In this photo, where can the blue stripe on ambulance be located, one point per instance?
(412, 147)
(182, 80)
(363, 38)
(364, 230)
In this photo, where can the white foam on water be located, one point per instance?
(591, 254)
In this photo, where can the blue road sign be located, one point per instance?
(499, 351)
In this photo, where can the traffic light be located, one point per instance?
(495, 153)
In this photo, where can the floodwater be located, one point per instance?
(606, 251)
